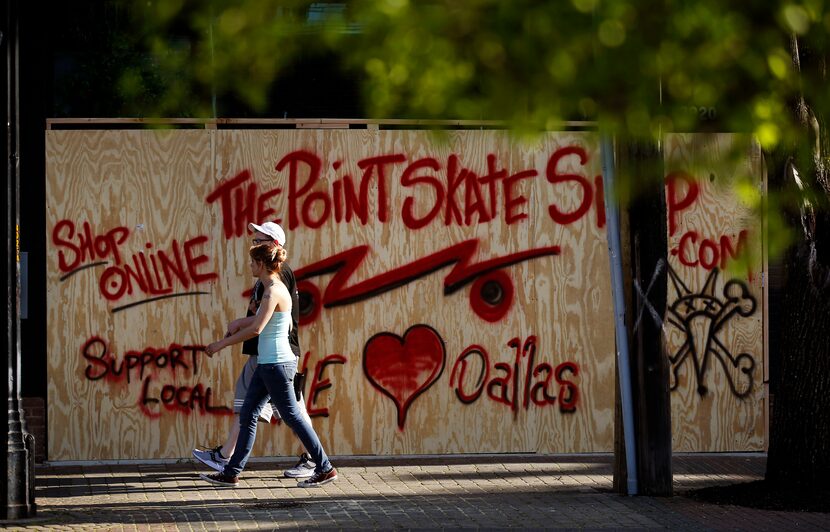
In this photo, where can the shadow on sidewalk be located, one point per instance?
(571, 492)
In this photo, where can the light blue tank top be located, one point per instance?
(273, 340)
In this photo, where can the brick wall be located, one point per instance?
(34, 411)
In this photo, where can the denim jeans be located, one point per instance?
(275, 380)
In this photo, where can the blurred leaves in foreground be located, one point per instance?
(637, 69)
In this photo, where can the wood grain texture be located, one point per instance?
(729, 414)
(165, 190)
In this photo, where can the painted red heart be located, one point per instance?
(404, 367)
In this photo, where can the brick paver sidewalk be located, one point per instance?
(494, 492)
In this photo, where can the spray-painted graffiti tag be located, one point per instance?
(693, 249)
(319, 384)
(444, 192)
(157, 273)
(701, 316)
(490, 301)
(146, 366)
(512, 388)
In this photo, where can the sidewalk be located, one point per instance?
(493, 492)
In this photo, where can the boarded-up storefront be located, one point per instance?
(455, 291)
(715, 318)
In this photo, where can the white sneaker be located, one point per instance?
(212, 458)
(303, 469)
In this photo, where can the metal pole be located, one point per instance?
(17, 482)
(615, 254)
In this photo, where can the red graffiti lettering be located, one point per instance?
(727, 251)
(312, 207)
(516, 387)
(555, 178)
(512, 202)
(185, 399)
(101, 363)
(78, 248)
(710, 253)
(293, 161)
(675, 204)
(241, 203)
(455, 178)
(480, 204)
(379, 164)
(319, 384)
(685, 240)
(542, 386)
(459, 197)
(407, 180)
(505, 390)
(157, 273)
(146, 366)
(195, 258)
(568, 391)
(498, 389)
(459, 370)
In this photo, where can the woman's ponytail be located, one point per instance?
(270, 255)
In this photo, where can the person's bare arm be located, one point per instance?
(250, 329)
(238, 324)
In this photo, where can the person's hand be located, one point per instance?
(215, 347)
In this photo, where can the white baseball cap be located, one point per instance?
(271, 229)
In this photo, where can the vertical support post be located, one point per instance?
(641, 170)
(16, 483)
(620, 329)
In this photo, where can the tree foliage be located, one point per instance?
(638, 67)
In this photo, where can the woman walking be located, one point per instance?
(274, 373)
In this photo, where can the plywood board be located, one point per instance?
(715, 319)
(455, 289)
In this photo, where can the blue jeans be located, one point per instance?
(275, 380)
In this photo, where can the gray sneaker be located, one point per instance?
(303, 469)
(212, 458)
